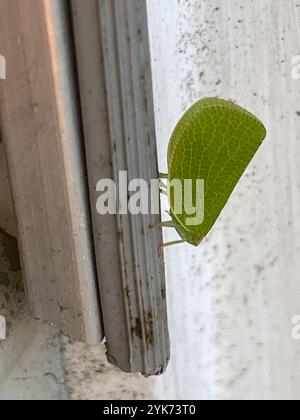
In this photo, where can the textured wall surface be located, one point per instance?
(232, 300)
(37, 362)
(91, 377)
(31, 361)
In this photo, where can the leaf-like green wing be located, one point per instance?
(215, 141)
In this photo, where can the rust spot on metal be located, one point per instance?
(136, 329)
(127, 291)
(120, 236)
(149, 328)
(148, 333)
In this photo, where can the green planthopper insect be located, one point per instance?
(214, 141)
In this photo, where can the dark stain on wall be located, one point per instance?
(10, 252)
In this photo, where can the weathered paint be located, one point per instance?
(233, 299)
(118, 116)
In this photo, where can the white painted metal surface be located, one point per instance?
(233, 299)
(40, 125)
(112, 45)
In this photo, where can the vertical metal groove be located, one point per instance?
(134, 171)
(133, 299)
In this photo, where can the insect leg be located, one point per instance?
(168, 244)
(163, 189)
(172, 243)
(169, 224)
(163, 176)
(163, 192)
